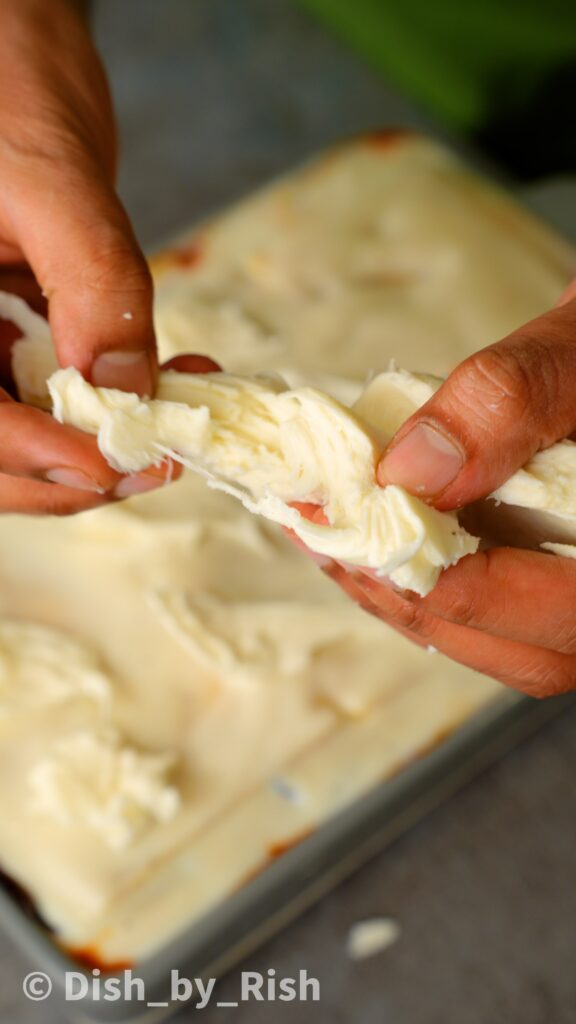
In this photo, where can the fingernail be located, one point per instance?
(131, 485)
(424, 462)
(129, 371)
(73, 478)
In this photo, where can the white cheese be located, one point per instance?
(92, 780)
(271, 446)
(366, 938)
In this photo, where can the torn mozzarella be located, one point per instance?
(271, 446)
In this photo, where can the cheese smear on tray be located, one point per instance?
(270, 446)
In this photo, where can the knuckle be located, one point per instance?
(411, 617)
(461, 608)
(470, 594)
(512, 381)
(116, 267)
(494, 382)
(59, 135)
(29, 149)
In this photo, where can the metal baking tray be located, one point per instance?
(217, 942)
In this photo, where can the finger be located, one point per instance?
(149, 479)
(34, 497)
(523, 595)
(191, 364)
(83, 252)
(495, 410)
(527, 667)
(33, 444)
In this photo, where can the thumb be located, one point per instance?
(78, 240)
(494, 411)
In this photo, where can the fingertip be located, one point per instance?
(126, 370)
(130, 486)
(150, 479)
(424, 461)
(165, 472)
(192, 363)
(381, 474)
(67, 476)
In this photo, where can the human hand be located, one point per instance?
(506, 612)
(67, 247)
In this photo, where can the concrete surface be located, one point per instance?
(214, 97)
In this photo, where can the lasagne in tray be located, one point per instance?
(183, 695)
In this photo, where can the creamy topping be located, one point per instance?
(92, 780)
(40, 667)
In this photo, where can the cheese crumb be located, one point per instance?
(366, 938)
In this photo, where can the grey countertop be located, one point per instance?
(215, 97)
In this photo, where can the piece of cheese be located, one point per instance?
(271, 446)
(535, 507)
(366, 938)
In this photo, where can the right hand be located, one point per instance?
(65, 238)
(505, 611)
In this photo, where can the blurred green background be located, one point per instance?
(503, 72)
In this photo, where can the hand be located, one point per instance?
(67, 247)
(508, 613)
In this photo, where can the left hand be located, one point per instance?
(507, 612)
(68, 248)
